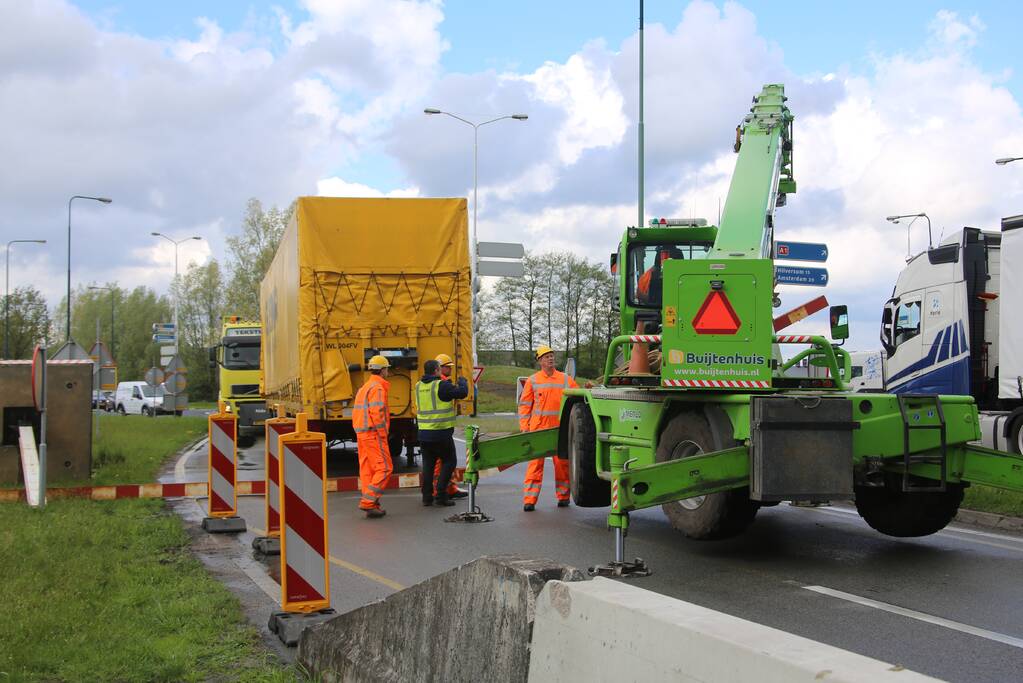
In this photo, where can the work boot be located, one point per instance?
(444, 502)
(528, 507)
(563, 503)
(458, 494)
(375, 513)
(427, 502)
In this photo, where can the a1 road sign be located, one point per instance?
(808, 277)
(801, 251)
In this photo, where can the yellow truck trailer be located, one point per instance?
(353, 278)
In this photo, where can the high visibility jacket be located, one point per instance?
(432, 413)
(540, 402)
(370, 412)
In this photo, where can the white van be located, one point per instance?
(135, 398)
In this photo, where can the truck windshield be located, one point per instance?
(645, 263)
(241, 355)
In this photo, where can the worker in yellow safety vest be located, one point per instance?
(540, 408)
(371, 419)
(435, 397)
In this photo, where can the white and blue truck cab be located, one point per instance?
(954, 325)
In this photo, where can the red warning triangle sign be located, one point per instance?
(716, 315)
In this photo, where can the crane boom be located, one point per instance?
(762, 178)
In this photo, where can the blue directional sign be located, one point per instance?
(801, 275)
(801, 251)
(163, 338)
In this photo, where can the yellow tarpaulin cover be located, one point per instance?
(351, 275)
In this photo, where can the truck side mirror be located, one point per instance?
(213, 356)
(839, 322)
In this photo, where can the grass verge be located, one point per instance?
(489, 424)
(996, 501)
(108, 591)
(131, 449)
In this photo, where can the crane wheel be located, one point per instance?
(710, 517)
(894, 512)
(588, 490)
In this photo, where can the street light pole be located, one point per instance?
(7, 294)
(176, 285)
(111, 290)
(914, 216)
(105, 200)
(475, 194)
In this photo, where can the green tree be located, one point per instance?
(29, 321)
(250, 254)
(201, 292)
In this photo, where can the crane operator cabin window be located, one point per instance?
(646, 262)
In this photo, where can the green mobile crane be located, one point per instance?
(719, 429)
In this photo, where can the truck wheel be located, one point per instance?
(395, 443)
(121, 410)
(714, 516)
(1016, 436)
(246, 440)
(894, 512)
(588, 490)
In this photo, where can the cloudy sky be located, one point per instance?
(182, 111)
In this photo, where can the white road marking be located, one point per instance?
(255, 571)
(179, 466)
(919, 616)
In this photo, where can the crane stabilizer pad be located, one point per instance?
(223, 525)
(474, 517)
(289, 625)
(621, 570)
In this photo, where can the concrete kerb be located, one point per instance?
(607, 630)
(472, 623)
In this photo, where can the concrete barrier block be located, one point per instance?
(604, 630)
(472, 623)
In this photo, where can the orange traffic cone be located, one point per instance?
(639, 360)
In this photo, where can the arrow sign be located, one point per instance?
(163, 338)
(163, 328)
(801, 251)
(800, 275)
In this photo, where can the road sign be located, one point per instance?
(477, 372)
(163, 328)
(500, 250)
(163, 338)
(501, 268)
(801, 251)
(800, 275)
(176, 383)
(154, 377)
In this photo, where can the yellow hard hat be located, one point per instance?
(444, 359)
(378, 363)
(543, 350)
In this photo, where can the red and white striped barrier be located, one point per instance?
(614, 494)
(793, 339)
(275, 427)
(305, 572)
(645, 338)
(717, 383)
(223, 465)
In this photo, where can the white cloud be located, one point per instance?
(338, 187)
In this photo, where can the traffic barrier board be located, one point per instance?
(305, 572)
(797, 314)
(223, 465)
(275, 427)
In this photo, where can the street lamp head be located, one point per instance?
(430, 110)
(105, 200)
(196, 237)
(520, 117)
(1005, 160)
(156, 234)
(893, 219)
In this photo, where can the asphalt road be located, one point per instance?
(949, 605)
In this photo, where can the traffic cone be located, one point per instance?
(639, 361)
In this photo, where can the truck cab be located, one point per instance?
(238, 358)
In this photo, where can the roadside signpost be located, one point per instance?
(477, 372)
(305, 569)
(801, 251)
(801, 275)
(39, 398)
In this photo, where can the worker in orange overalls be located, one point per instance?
(540, 408)
(371, 419)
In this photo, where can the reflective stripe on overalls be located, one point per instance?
(438, 414)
